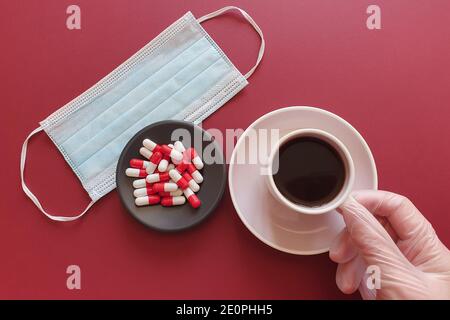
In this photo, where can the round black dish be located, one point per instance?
(178, 217)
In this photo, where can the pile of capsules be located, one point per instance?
(169, 175)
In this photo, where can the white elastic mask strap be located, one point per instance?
(30, 194)
(251, 21)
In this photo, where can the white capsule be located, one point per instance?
(178, 145)
(170, 167)
(178, 200)
(152, 178)
(198, 163)
(163, 164)
(194, 186)
(197, 176)
(138, 193)
(140, 183)
(151, 168)
(145, 153)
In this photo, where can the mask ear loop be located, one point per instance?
(30, 194)
(251, 21)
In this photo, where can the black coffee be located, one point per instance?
(310, 173)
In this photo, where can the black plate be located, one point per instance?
(178, 217)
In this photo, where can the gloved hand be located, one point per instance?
(387, 231)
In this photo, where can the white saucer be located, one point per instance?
(270, 221)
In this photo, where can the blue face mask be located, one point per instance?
(181, 74)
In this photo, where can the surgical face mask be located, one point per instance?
(181, 74)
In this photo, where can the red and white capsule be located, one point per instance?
(154, 161)
(178, 179)
(196, 175)
(164, 163)
(173, 201)
(192, 184)
(136, 173)
(165, 187)
(147, 200)
(151, 145)
(194, 201)
(143, 192)
(138, 163)
(174, 154)
(158, 177)
(141, 183)
(196, 160)
(175, 193)
(147, 154)
(170, 167)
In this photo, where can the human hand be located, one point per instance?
(386, 230)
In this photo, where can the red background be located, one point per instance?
(391, 84)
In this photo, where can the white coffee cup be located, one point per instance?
(340, 149)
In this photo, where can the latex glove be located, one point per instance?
(386, 230)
